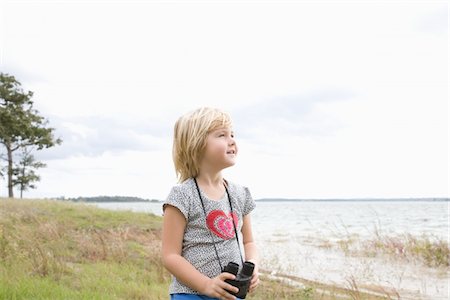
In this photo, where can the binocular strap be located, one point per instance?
(234, 225)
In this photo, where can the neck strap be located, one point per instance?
(232, 219)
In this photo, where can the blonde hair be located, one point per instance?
(189, 140)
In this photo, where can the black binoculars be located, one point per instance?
(242, 280)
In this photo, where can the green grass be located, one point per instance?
(61, 250)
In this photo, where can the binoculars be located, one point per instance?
(242, 280)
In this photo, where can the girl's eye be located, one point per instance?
(223, 135)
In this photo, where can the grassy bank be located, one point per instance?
(60, 250)
(56, 250)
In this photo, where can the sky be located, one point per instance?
(329, 99)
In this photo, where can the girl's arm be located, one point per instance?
(174, 225)
(251, 252)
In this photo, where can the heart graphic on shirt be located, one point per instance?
(221, 224)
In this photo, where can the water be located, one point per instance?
(335, 219)
(150, 207)
(291, 238)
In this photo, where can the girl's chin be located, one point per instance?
(230, 162)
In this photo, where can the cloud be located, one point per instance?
(285, 116)
(93, 136)
(434, 22)
(297, 115)
(21, 74)
(327, 96)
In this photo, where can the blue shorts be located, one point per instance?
(180, 296)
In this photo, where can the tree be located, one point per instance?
(21, 125)
(24, 174)
(2, 169)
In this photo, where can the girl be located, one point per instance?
(203, 214)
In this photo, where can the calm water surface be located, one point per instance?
(335, 219)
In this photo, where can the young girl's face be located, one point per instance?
(221, 148)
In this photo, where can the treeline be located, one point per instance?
(354, 200)
(108, 199)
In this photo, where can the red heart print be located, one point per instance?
(221, 224)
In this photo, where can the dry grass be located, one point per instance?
(431, 251)
(81, 250)
(59, 250)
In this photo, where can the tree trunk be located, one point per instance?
(10, 171)
(22, 186)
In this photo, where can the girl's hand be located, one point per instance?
(216, 287)
(255, 280)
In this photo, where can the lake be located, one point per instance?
(294, 238)
(335, 218)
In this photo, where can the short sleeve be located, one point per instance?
(249, 203)
(179, 200)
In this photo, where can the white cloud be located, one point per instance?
(329, 99)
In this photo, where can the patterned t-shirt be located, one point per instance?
(217, 227)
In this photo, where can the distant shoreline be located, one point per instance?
(295, 200)
(356, 200)
(136, 199)
(123, 199)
